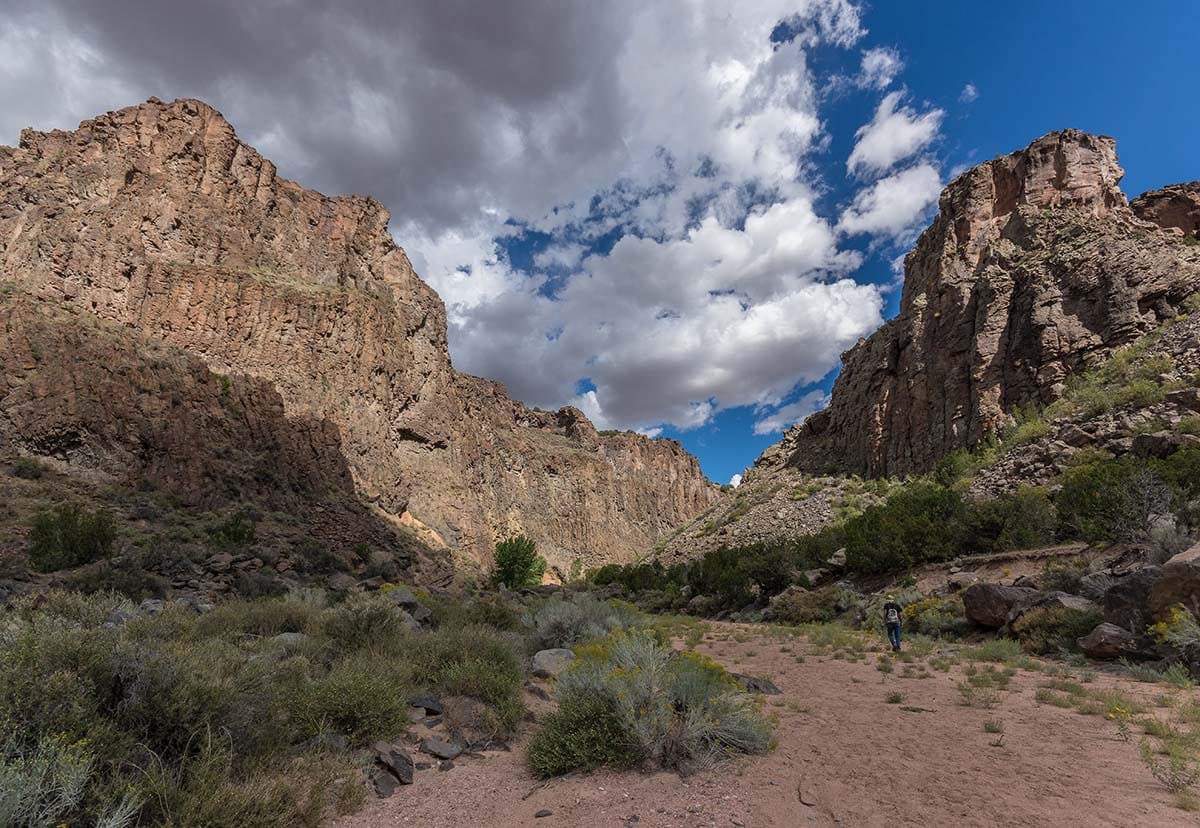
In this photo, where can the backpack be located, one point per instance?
(893, 615)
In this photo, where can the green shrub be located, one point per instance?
(518, 563)
(942, 617)
(205, 721)
(919, 523)
(800, 606)
(586, 732)
(27, 468)
(680, 711)
(640, 577)
(42, 786)
(1112, 501)
(1046, 630)
(1022, 520)
(364, 698)
(234, 532)
(70, 536)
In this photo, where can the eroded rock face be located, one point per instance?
(159, 219)
(1175, 206)
(1035, 269)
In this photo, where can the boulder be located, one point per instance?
(1108, 641)
(403, 596)
(1179, 583)
(341, 582)
(1162, 443)
(549, 663)
(290, 639)
(988, 605)
(1127, 602)
(838, 559)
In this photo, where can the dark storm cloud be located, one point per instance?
(433, 106)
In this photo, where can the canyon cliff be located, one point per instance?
(159, 225)
(1035, 269)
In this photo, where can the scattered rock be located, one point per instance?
(545, 812)
(432, 706)
(442, 750)
(549, 663)
(537, 690)
(1108, 641)
(754, 684)
(290, 639)
(445, 765)
(395, 760)
(838, 559)
(385, 784)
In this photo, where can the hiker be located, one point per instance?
(893, 614)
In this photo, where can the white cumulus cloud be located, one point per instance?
(895, 205)
(895, 133)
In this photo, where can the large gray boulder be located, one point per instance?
(1127, 602)
(549, 663)
(988, 605)
(1179, 583)
(1108, 641)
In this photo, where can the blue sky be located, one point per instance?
(674, 215)
(1112, 68)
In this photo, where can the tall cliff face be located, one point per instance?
(1035, 268)
(159, 219)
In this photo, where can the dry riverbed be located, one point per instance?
(857, 746)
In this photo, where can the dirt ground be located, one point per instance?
(845, 757)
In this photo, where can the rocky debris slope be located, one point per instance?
(1034, 270)
(1154, 427)
(159, 219)
(769, 507)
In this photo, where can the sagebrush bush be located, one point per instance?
(677, 710)
(565, 623)
(70, 536)
(206, 721)
(365, 621)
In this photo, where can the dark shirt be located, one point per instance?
(892, 605)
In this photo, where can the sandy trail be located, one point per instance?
(855, 759)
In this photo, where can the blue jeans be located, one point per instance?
(893, 631)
